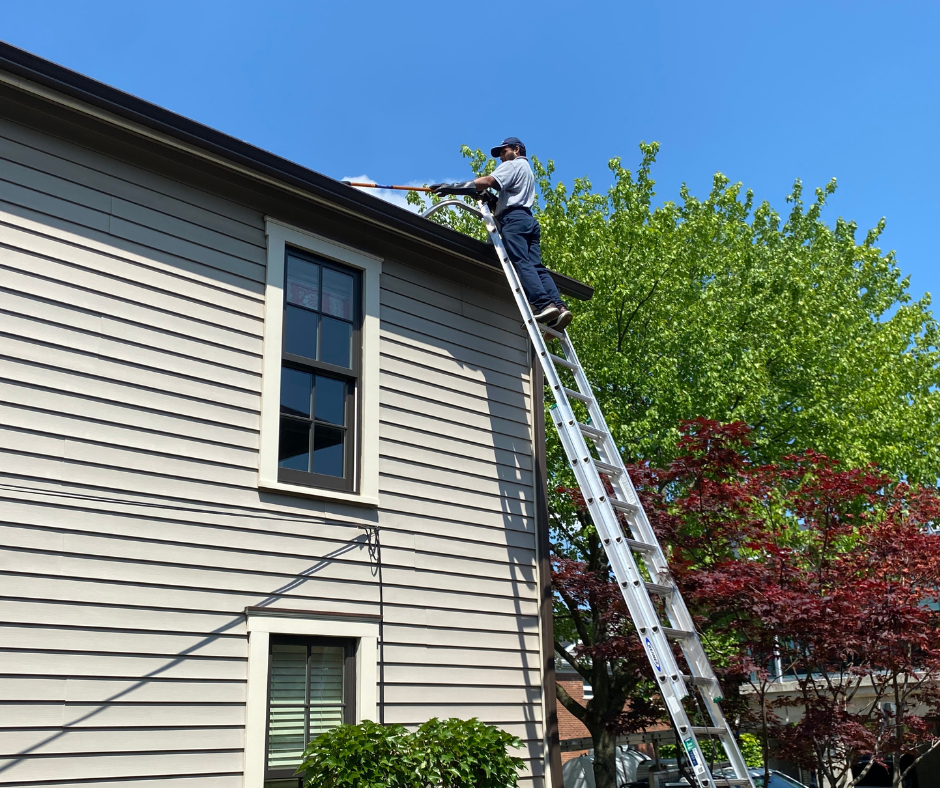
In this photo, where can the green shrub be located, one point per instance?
(751, 750)
(360, 756)
(452, 753)
(465, 754)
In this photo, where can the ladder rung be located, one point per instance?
(572, 394)
(592, 432)
(563, 361)
(698, 681)
(610, 470)
(641, 547)
(718, 782)
(655, 588)
(624, 506)
(633, 544)
(678, 634)
(551, 331)
(709, 731)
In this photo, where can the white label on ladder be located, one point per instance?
(652, 651)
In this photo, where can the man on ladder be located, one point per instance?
(515, 182)
(677, 657)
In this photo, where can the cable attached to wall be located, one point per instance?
(375, 562)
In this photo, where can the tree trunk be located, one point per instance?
(605, 758)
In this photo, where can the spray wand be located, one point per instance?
(378, 186)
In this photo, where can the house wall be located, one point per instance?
(133, 535)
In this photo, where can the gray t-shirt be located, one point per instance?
(516, 184)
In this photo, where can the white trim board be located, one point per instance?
(281, 235)
(260, 628)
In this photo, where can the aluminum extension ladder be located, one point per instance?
(622, 548)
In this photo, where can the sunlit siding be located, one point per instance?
(133, 534)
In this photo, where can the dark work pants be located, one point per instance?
(522, 238)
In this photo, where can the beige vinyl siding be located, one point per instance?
(133, 534)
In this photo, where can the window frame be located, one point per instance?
(353, 374)
(263, 623)
(349, 688)
(365, 455)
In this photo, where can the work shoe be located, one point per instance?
(548, 314)
(563, 320)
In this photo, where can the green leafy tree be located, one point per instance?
(724, 309)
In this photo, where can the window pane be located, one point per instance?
(296, 387)
(303, 283)
(300, 332)
(288, 694)
(330, 400)
(326, 674)
(336, 342)
(285, 737)
(337, 294)
(328, 454)
(288, 672)
(294, 449)
(324, 718)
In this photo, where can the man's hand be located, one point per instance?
(490, 199)
(467, 187)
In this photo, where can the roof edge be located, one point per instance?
(124, 105)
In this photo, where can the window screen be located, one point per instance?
(310, 690)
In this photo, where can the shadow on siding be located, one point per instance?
(358, 543)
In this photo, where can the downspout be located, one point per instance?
(552, 747)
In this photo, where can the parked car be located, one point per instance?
(633, 770)
(882, 775)
(579, 772)
(669, 774)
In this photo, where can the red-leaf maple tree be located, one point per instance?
(813, 584)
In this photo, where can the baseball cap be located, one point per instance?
(508, 142)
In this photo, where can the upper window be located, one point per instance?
(311, 689)
(320, 372)
(320, 368)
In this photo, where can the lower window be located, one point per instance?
(311, 689)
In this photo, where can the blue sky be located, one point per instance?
(763, 92)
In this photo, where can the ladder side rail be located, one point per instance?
(639, 522)
(675, 605)
(623, 484)
(730, 746)
(697, 658)
(606, 520)
(639, 525)
(598, 420)
(624, 567)
(628, 577)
